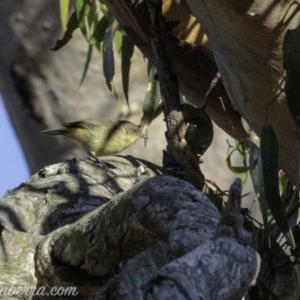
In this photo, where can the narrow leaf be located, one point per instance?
(127, 49)
(108, 55)
(87, 13)
(81, 7)
(255, 168)
(235, 169)
(71, 26)
(240, 150)
(118, 40)
(104, 10)
(99, 33)
(64, 12)
(152, 106)
(200, 132)
(87, 63)
(269, 162)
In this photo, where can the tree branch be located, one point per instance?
(183, 219)
(187, 234)
(174, 117)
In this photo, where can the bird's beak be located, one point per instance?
(144, 133)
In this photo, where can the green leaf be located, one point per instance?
(152, 105)
(235, 169)
(241, 150)
(88, 15)
(99, 33)
(126, 55)
(87, 63)
(108, 55)
(82, 8)
(118, 40)
(256, 176)
(199, 133)
(105, 11)
(71, 26)
(64, 12)
(269, 163)
(252, 135)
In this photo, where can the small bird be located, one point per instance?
(101, 138)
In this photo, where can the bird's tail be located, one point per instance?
(61, 131)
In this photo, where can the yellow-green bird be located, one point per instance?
(100, 138)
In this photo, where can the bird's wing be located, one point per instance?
(86, 124)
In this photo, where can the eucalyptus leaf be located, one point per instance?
(118, 40)
(152, 105)
(127, 49)
(99, 33)
(87, 63)
(64, 12)
(269, 163)
(88, 15)
(71, 26)
(255, 168)
(108, 55)
(200, 132)
(237, 149)
(82, 8)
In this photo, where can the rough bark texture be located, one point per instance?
(122, 236)
(246, 38)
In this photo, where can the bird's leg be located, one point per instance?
(102, 165)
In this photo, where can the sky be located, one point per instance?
(13, 166)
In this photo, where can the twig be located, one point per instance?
(176, 125)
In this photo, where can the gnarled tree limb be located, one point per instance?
(90, 233)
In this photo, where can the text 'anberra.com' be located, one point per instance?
(19, 290)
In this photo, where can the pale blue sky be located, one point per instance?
(12, 163)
